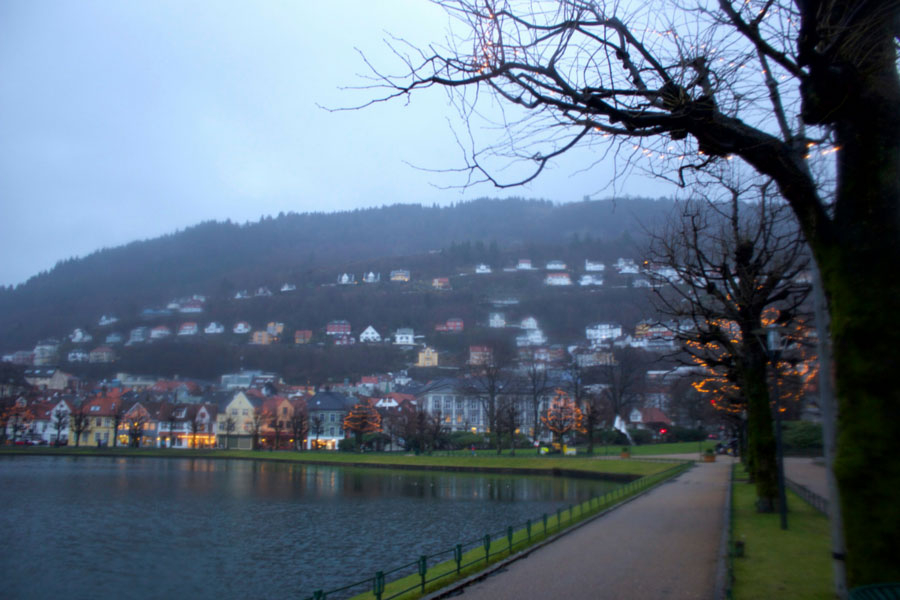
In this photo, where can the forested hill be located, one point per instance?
(218, 258)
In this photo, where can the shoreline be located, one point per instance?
(407, 462)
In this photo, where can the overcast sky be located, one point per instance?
(127, 120)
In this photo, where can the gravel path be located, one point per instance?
(664, 544)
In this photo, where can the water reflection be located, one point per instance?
(120, 526)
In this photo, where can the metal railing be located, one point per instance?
(813, 499)
(413, 578)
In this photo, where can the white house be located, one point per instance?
(370, 335)
(602, 332)
(593, 267)
(531, 337)
(78, 356)
(496, 320)
(107, 320)
(529, 323)
(346, 279)
(404, 337)
(558, 279)
(241, 327)
(556, 265)
(159, 332)
(214, 328)
(191, 307)
(263, 291)
(115, 338)
(288, 287)
(590, 280)
(188, 328)
(482, 269)
(627, 266)
(241, 295)
(371, 277)
(79, 336)
(524, 264)
(138, 335)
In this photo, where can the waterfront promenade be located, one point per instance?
(666, 543)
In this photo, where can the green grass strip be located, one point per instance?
(524, 462)
(795, 563)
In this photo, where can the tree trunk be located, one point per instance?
(865, 355)
(761, 439)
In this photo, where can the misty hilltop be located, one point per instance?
(219, 259)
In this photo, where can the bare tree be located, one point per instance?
(257, 419)
(195, 424)
(228, 424)
(60, 421)
(81, 423)
(509, 417)
(298, 425)
(118, 416)
(488, 382)
(535, 385)
(730, 263)
(317, 426)
(623, 381)
(804, 92)
(135, 421)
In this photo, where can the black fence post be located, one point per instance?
(545, 523)
(509, 537)
(378, 585)
(528, 529)
(487, 547)
(423, 568)
(457, 554)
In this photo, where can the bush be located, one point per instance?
(641, 436)
(466, 439)
(611, 437)
(685, 434)
(801, 435)
(347, 445)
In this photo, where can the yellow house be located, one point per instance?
(237, 420)
(428, 357)
(260, 337)
(101, 411)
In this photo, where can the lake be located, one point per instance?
(96, 527)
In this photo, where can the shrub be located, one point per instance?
(466, 439)
(347, 445)
(685, 434)
(641, 436)
(801, 435)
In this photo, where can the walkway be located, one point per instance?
(664, 544)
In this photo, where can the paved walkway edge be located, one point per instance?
(462, 583)
(722, 573)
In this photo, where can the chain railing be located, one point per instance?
(414, 578)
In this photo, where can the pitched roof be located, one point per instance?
(329, 401)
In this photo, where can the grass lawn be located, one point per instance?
(526, 461)
(792, 564)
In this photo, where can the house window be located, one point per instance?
(244, 412)
(234, 411)
(99, 421)
(331, 430)
(332, 420)
(473, 403)
(284, 410)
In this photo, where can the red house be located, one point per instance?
(338, 327)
